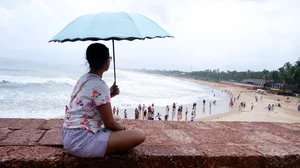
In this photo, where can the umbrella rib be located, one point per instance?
(135, 26)
(90, 27)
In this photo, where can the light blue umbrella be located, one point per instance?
(110, 26)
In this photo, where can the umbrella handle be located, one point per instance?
(113, 43)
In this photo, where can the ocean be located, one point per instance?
(30, 89)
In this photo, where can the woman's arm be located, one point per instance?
(108, 119)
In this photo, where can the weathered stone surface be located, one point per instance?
(52, 137)
(52, 123)
(159, 137)
(231, 156)
(131, 124)
(4, 132)
(22, 137)
(34, 124)
(168, 144)
(31, 156)
(198, 125)
(20, 124)
(6, 122)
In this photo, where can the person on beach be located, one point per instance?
(173, 114)
(192, 116)
(178, 114)
(181, 110)
(194, 108)
(136, 113)
(66, 108)
(89, 128)
(251, 106)
(145, 114)
(149, 109)
(209, 106)
(158, 116)
(174, 106)
(153, 107)
(140, 110)
(150, 115)
(166, 118)
(186, 113)
(114, 110)
(269, 107)
(167, 112)
(125, 114)
(117, 110)
(240, 107)
(144, 107)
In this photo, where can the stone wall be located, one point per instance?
(37, 143)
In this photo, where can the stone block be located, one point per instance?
(22, 137)
(34, 124)
(4, 132)
(157, 137)
(52, 123)
(6, 122)
(52, 137)
(20, 124)
(222, 155)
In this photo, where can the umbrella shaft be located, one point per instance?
(113, 43)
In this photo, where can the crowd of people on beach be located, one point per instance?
(177, 112)
(148, 113)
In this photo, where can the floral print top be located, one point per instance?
(82, 112)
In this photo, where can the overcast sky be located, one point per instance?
(209, 34)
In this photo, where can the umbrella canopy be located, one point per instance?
(110, 26)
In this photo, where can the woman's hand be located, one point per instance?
(114, 90)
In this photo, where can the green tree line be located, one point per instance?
(288, 74)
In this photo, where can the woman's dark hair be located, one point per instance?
(96, 55)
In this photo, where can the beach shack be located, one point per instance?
(257, 83)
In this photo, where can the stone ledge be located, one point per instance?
(168, 144)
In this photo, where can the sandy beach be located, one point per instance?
(287, 113)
